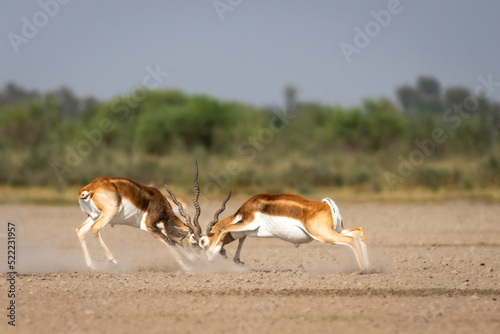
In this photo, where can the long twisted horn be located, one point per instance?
(195, 202)
(216, 216)
(179, 205)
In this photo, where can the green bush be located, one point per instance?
(162, 133)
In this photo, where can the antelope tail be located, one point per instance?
(338, 225)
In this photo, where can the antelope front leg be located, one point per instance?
(223, 237)
(178, 254)
(236, 258)
(223, 253)
(183, 258)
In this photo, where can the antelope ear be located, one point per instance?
(192, 239)
(204, 241)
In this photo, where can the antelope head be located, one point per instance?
(205, 240)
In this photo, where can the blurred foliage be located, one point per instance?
(57, 139)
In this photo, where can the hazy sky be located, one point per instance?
(102, 48)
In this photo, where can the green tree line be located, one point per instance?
(428, 138)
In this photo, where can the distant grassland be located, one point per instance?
(38, 195)
(68, 196)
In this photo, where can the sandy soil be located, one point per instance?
(436, 269)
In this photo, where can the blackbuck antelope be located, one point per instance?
(286, 217)
(120, 201)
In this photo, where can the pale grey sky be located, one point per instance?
(102, 48)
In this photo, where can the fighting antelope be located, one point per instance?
(286, 217)
(120, 201)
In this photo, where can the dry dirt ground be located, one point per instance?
(436, 270)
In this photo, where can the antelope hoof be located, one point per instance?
(366, 271)
(223, 253)
(113, 261)
(238, 262)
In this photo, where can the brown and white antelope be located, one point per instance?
(120, 201)
(287, 217)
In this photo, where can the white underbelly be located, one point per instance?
(128, 214)
(267, 226)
